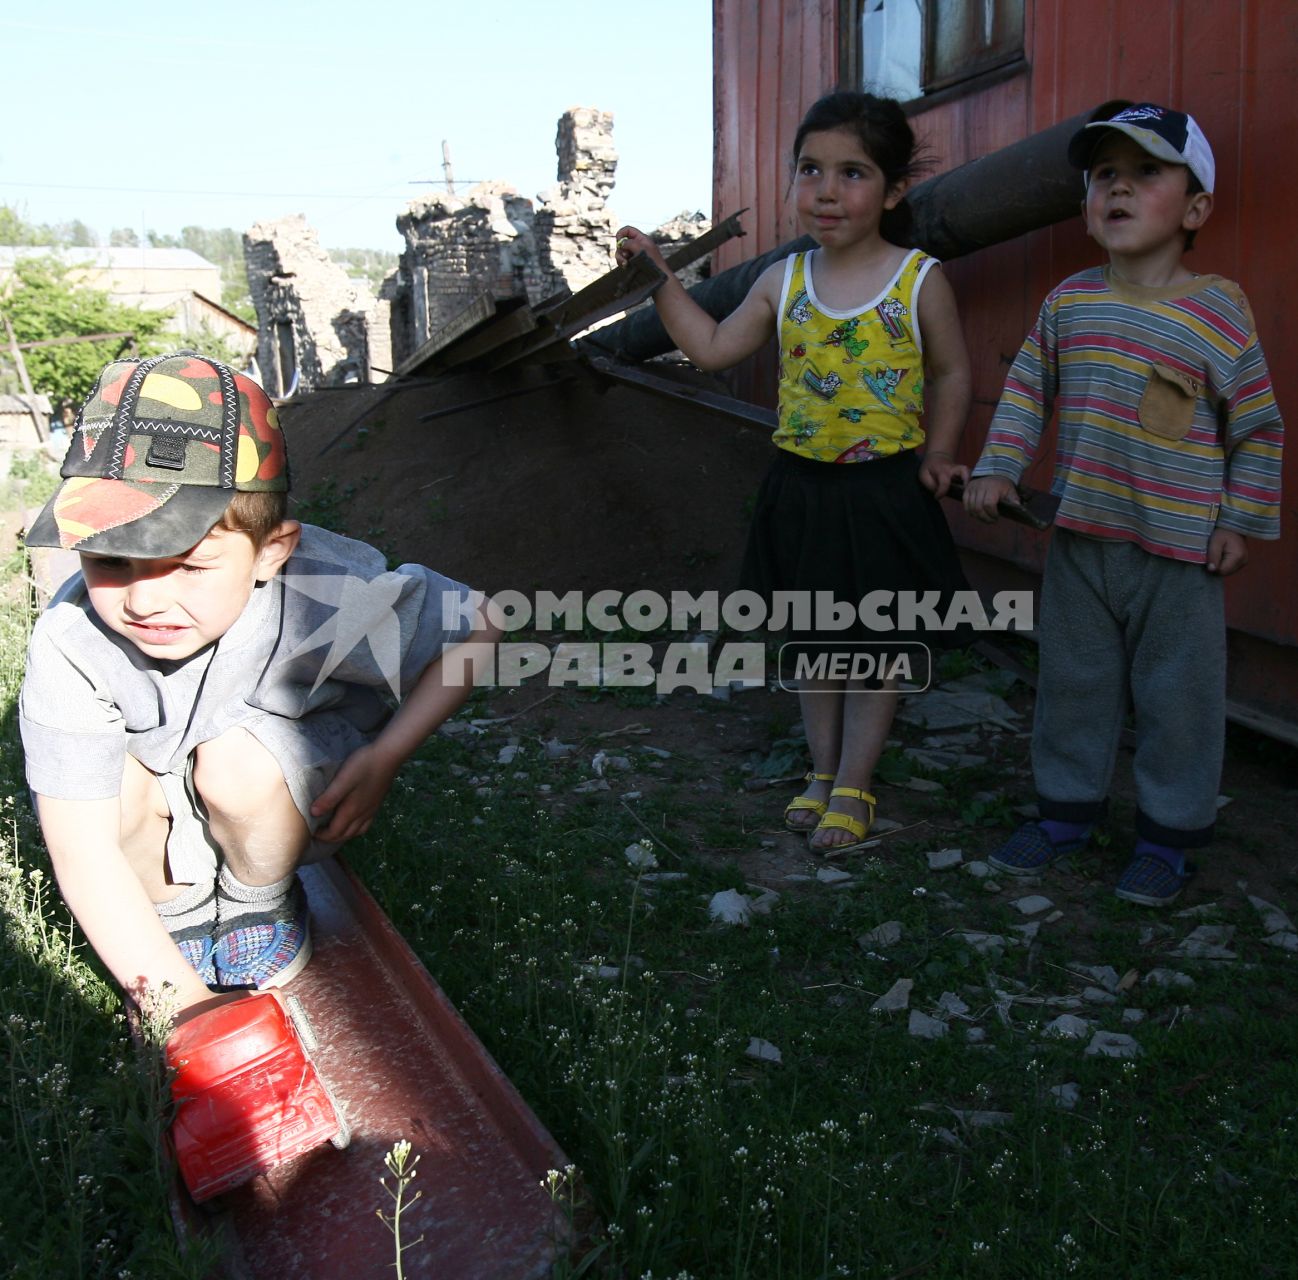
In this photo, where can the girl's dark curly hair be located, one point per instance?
(880, 125)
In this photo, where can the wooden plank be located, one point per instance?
(504, 329)
(481, 309)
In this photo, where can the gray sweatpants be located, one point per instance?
(1120, 625)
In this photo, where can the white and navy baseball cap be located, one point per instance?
(1170, 135)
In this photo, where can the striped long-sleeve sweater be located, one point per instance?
(1168, 426)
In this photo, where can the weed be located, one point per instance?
(403, 1170)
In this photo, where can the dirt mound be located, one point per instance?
(560, 486)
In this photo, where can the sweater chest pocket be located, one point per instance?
(1167, 403)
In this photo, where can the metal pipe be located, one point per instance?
(1020, 188)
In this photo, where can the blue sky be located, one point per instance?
(161, 116)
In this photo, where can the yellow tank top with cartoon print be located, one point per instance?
(851, 382)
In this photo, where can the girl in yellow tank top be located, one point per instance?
(851, 380)
(869, 341)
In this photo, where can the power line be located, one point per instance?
(184, 191)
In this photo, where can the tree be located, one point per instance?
(124, 238)
(41, 304)
(16, 230)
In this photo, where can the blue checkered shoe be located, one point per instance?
(266, 948)
(1029, 850)
(1154, 879)
(197, 947)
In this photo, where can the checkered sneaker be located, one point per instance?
(266, 948)
(1029, 850)
(1151, 880)
(197, 948)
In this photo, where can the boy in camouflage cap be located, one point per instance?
(208, 703)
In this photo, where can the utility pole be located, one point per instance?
(29, 394)
(446, 168)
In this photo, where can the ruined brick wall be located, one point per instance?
(493, 240)
(574, 228)
(456, 248)
(316, 326)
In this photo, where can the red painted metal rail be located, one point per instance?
(403, 1064)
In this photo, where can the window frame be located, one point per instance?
(850, 62)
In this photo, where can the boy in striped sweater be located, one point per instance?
(1167, 459)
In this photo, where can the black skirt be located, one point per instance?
(850, 529)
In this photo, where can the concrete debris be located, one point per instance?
(1285, 940)
(1167, 978)
(882, 825)
(1067, 1095)
(506, 754)
(664, 877)
(1207, 942)
(926, 785)
(951, 1004)
(950, 708)
(975, 1035)
(940, 760)
(896, 998)
(1028, 932)
(945, 741)
(887, 934)
(1097, 995)
(1032, 904)
(924, 1027)
(640, 855)
(730, 907)
(983, 943)
(556, 750)
(1106, 975)
(978, 869)
(833, 875)
(1273, 919)
(1067, 1026)
(1132, 1016)
(763, 1050)
(944, 859)
(1112, 1044)
(591, 784)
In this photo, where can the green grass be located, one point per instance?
(845, 1159)
(855, 1155)
(82, 1185)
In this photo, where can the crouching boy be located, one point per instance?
(208, 703)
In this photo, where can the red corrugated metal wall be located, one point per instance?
(1234, 67)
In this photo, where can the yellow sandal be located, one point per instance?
(844, 822)
(817, 807)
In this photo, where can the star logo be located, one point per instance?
(363, 611)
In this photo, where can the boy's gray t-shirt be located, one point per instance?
(318, 657)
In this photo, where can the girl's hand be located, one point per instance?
(630, 241)
(938, 469)
(982, 495)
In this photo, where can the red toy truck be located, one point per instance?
(247, 1096)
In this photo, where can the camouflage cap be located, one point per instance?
(160, 448)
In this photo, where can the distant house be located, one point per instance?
(175, 280)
